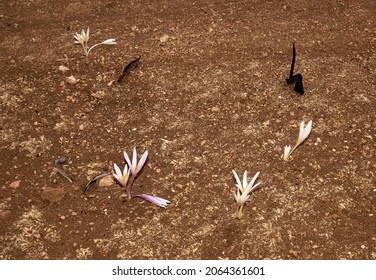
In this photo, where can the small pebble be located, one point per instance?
(107, 181)
(63, 68)
(164, 38)
(15, 185)
(72, 80)
(294, 253)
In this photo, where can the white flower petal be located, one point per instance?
(117, 174)
(308, 129)
(244, 186)
(134, 159)
(243, 199)
(109, 42)
(304, 132)
(117, 170)
(238, 183)
(126, 157)
(87, 35)
(142, 161)
(251, 185)
(254, 178)
(286, 152)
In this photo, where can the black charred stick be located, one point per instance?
(131, 65)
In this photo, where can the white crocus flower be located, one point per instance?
(304, 132)
(243, 191)
(135, 166)
(121, 177)
(83, 39)
(106, 42)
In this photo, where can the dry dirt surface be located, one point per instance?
(209, 95)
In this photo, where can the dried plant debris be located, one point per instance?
(59, 169)
(129, 67)
(296, 79)
(94, 179)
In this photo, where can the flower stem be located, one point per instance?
(239, 211)
(130, 186)
(92, 47)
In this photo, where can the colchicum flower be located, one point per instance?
(121, 177)
(243, 191)
(134, 168)
(83, 39)
(303, 134)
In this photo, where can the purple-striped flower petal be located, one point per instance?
(154, 199)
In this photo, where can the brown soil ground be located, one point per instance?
(209, 95)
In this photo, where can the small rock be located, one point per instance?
(63, 68)
(315, 246)
(215, 109)
(294, 253)
(53, 194)
(81, 127)
(106, 181)
(72, 80)
(164, 38)
(76, 187)
(15, 185)
(335, 216)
